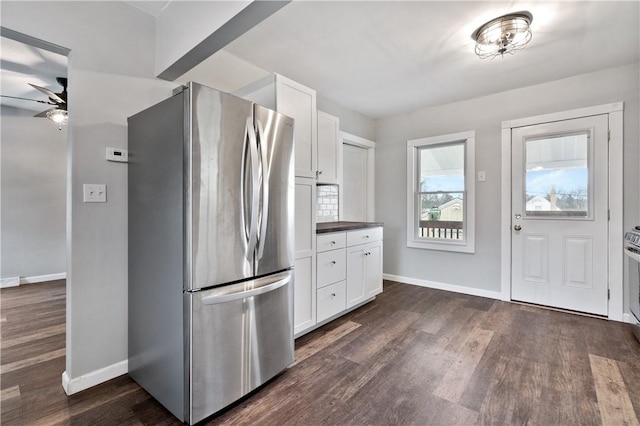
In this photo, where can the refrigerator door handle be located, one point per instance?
(250, 229)
(243, 294)
(264, 212)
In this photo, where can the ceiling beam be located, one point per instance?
(32, 41)
(248, 18)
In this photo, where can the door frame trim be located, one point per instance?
(615, 202)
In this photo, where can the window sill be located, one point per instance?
(442, 246)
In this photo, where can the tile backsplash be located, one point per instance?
(327, 206)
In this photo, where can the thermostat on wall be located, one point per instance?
(117, 154)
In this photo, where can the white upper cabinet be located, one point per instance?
(329, 149)
(298, 102)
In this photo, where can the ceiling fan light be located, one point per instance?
(58, 116)
(504, 34)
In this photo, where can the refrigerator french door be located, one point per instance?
(210, 249)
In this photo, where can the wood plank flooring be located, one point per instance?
(413, 356)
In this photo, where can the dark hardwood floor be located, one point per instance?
(413, 356)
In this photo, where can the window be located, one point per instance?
(558, 176)
(441, 192)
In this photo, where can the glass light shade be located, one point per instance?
(58, 116)
(505, 34)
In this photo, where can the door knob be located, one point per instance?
(517, 227)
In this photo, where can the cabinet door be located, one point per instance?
(355, 275)
(299, 103)
(304, 302)
(329, 148)
(305, 217)
(373, 269)
(304, 295)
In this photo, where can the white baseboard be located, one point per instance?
(628, 318)
(93, 378)
(43, 278)
(9, 282)
(16, 281)
(444, 286)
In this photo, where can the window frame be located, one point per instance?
(413, 193)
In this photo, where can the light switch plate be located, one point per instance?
(94, 193)
(481, 176)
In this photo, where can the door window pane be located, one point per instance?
(557, 175)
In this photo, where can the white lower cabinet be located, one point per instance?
(332, 300)
(347, 276)
(332, 267)
(304, 287)
(364, 272)
(373, 269)
(304, 295)
(355, 275)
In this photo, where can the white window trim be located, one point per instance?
(468, 246)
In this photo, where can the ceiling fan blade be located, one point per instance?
(44, 113)
(49, 93)
(27, 99)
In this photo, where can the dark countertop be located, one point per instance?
(326, 227)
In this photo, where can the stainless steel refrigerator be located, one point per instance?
(211, 189)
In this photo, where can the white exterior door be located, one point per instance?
(560, 214)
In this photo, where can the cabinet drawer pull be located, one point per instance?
(333, 295)
(333, 243)
(366, 237)
(333, 262)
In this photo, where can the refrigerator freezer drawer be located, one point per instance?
(241, 336)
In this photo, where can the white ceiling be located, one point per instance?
(384, 58)
(22, 64)
(152, 7)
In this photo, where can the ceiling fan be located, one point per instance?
(58, 113)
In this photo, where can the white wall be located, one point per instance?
(485, 115)
(111, 76)
(33, 175)
(350, 121)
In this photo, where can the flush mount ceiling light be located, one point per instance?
(504, 34)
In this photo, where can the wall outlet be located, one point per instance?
(94, 193)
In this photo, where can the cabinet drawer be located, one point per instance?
(332, 267)
(331, 299)
(332, 241)
(363, 236)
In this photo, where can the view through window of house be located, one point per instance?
(441, 191)
(557, 175)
